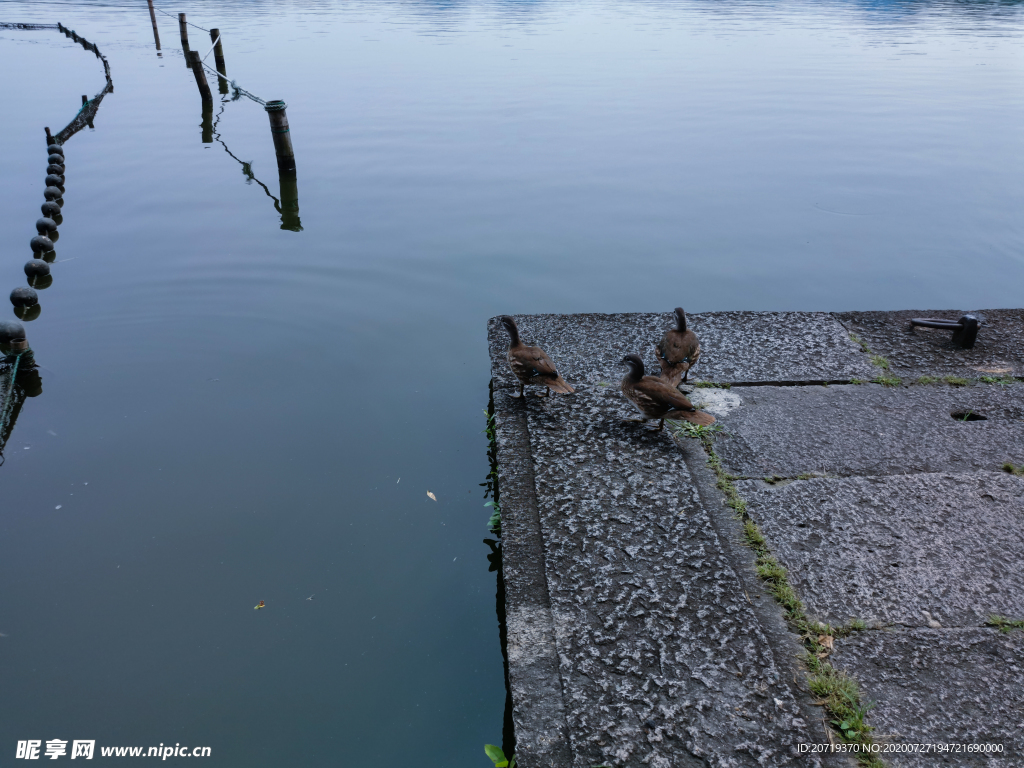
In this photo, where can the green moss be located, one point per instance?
(887, 381)
(927, 380)
(1018, 471)
(956, 381)
(880, 361)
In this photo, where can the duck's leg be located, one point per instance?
(660, 425)
(522, 389)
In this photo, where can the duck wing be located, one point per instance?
(533, 363)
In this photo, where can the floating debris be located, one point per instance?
(261, 605)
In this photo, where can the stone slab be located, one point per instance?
(940, 686)
(869, 429)
(736, 347)
(662, 658)
(914, 352)
(888, 549)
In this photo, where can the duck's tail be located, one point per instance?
(699, 418)
(558, 384)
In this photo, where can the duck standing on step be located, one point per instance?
(678, 351)
(658, 400)
(531, 365)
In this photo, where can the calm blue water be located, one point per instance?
(232, 412)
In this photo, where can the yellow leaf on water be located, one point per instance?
(431, 495)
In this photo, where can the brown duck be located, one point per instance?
(678, 351)
(658, 400)
(531, 365)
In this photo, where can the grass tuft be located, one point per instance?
(880, 361)
(1002, 381)
(1018, 471)
(887, 381)
(1004, 624)
(857, 340)
(927, 380)
(956, 381)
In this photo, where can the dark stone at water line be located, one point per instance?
(24, 297)
(41, 244)
(36, 268)
(11, 330)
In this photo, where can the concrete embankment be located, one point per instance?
(639, 631)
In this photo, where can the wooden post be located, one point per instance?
(207, 122)
(200, 73)
(289, 201)
(183, 28)
(218, 55)
(282, 135)
(152, 17)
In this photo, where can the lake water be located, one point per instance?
(234, 412)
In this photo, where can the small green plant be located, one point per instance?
(887, 381)
(839, 693)
(880, 361)
(857, 381)
(927, 380)
(956, 381)
(999, 380)
(498, 757)
(863, 347)
(1004, 624)
(1018, 471)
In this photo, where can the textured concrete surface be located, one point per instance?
(639, 633)
(934, 686)
(888, 549)
(868, 429)
(913, 352)
(662, 659)
(748, 347)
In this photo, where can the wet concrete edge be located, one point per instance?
(541, 731)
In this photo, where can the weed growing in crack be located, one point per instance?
(837, 692)
(1002, 381)
(1018, 471)
(887, 381)
(863, 347)
(926, 380)
(1004, 624)
(956, 381)
(880, 361)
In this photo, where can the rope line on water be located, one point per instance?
(237, 90)
(165, 13)
(15, 25)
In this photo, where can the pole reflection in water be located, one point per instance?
(288, 204)
(207, 122)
